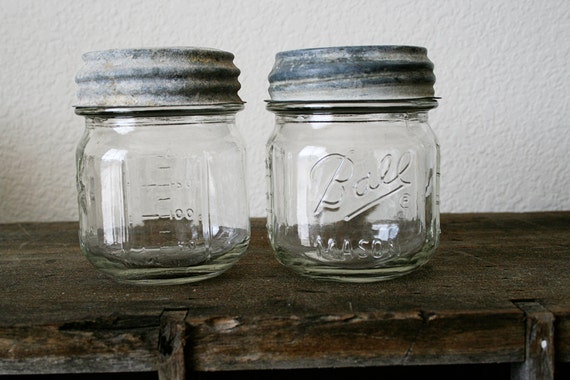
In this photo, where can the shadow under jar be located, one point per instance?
(161, 184)
(353, 165)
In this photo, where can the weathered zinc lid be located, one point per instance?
(352, 73)
(157, 77)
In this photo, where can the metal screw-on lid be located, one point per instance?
(157, 77)
(352, 73)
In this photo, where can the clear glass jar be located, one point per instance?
(161, 189)
(353, 184)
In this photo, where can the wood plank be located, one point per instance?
(354, 340)
(172, 345)
(471, 268)
(539, 346)
(456, 309)
(561, 333)
(104, 345)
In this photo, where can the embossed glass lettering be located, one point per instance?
(348, 250)
(342, 170)
(335, 180)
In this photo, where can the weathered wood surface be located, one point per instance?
(539, 350)
(57, 314)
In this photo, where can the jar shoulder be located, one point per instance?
(159, 140)
(362, 135)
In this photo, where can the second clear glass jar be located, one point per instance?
(353, 172)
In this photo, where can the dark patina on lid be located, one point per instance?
(352, 73)
(181, 76)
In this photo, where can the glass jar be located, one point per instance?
(160, 166)
(353, 165)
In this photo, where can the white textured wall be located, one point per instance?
(501, 66)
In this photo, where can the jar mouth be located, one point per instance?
(201, 109)
(352, 106)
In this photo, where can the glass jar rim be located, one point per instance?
(198, 109)
(353, 106)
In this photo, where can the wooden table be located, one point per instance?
(497, 291)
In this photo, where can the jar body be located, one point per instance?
(353, 196)
(162, 197)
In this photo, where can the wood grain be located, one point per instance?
(58, 314)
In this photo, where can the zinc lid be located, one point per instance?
(156, 77)
(350, 73)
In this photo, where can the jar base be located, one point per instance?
(319, 271)
(167, 275)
